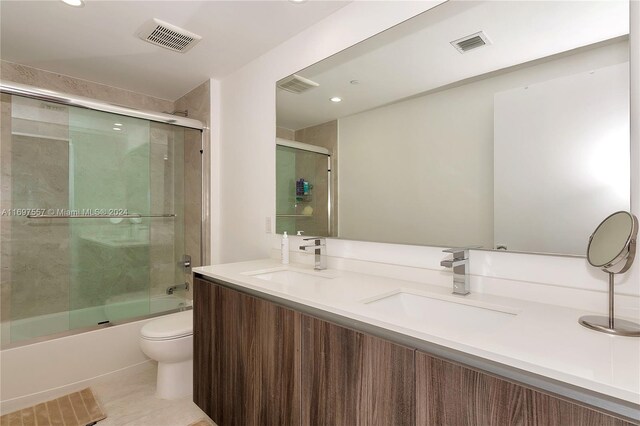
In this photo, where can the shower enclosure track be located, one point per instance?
(96, 216)
(82, 102)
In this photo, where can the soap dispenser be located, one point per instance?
(284, 248)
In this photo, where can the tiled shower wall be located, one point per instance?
(196, 102)
(44, 186)
(52, 81)
(5, 202)
(197, 105)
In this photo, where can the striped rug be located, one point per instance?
(76, 409)
(201, 422)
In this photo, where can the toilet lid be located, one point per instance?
(169, 326)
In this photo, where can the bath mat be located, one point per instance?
(76, 409)
(201, 422)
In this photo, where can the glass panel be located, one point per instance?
(108, 174)
(302, 192)
(64, 273)
(5, 220)
(167, 234)
(36, 253)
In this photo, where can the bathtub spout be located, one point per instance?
(173, 288)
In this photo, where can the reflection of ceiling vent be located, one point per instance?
(470, 42)
(297, 84)
(168, 36)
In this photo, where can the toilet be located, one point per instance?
(169, 340)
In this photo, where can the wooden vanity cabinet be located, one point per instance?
(254, 366)
(246, 358)
(350, 378)
(257, 363)
(451, 394)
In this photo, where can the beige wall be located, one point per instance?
(198, 106)
(284, 133)
(10, 71)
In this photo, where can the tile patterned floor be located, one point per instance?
(129, 400)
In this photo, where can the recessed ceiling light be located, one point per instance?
(74, 3)
(117, 128)
(297, 1)
(336, 99)
(117, 124)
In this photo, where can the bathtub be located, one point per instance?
(65, 361)
(118, 309)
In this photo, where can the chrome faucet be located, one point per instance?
(173, 288)
(459, 264)
(319, 244)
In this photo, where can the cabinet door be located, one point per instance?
(349, 378)
(450, 394)
(246, 358)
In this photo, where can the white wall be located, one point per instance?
(247, 154)
(212, 210)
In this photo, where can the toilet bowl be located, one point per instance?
(169, 340)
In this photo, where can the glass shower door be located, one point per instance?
(132, 170)
(102, 236)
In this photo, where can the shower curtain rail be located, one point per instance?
(96, 216)
(82, 102)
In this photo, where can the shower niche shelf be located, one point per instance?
(304, 198)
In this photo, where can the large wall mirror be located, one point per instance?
(498, 124)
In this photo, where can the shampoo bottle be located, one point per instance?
(284, 247)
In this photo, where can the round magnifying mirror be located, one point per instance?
(612, 247)
(609, 243)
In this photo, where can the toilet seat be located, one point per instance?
(169, 327)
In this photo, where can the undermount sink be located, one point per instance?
(287, 280)
(440, 313)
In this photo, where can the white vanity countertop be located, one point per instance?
(542, 339)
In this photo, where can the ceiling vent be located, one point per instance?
(297, 84)
(471, 42)
(168, 36)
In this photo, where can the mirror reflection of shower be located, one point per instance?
(303, 189)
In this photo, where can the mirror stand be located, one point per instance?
(612, 247)
(610, 324)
